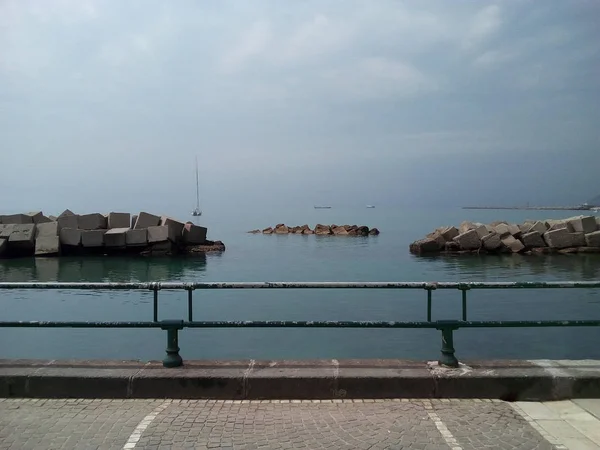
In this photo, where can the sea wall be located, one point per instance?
(34, 234)
(580, 234)
(321, 230)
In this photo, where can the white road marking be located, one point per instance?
(141, 427)
(444, 431)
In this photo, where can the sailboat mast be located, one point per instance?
(197, 188)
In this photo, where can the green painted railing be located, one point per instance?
(173, 358)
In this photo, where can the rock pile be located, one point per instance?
(113, 233)
(322, 230)
(579, 234)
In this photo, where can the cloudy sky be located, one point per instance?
(104, 104)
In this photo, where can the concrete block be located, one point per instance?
(195, 235)
(17, 219)
(47, 245)
(158, 234)
(38, 217)
(514, 230)
(502, 229)
(67, 212)
(115, 237)
(136, 237)
(513, 244)
(175, 228)
(562, 238)
(133, 220)
(67, 221)
(593, 239)
(469, 240)
(119, 220)
(538, 226)
(598, 223)
(93, 221)
(427, 245)
(145, 220)
(533, 239)
(584, 224)
(449, 233)
(466, 226)
(69, 236)
(3, 245)
(482, 231)
(92, 238)
(491, 241)
(47, 229)
(23, 235)
(6, 231)
(53, 218)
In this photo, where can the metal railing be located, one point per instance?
(173, 358)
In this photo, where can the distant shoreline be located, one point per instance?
(534, 208)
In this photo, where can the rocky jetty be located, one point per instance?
(580, 234)
(34, 234)
(321, 230)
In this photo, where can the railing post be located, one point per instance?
(173, 358)
(429, 287)
(448, 358)
(190, 289)
(155, 289)
(464, 289)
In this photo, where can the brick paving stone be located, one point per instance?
(246, 425)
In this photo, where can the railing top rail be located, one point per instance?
(305, 285)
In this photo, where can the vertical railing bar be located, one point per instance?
(155, 288)
(190, 305)
(464, 304)
(428, 305)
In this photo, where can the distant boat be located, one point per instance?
(322, 207)
(197, 212)
(370, 206)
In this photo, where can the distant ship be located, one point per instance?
(370, 206)
(322, 207)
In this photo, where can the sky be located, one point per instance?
(105, 104)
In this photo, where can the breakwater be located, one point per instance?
(580, 234)
(34, 234)
(321, 230)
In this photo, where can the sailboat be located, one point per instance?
(197, 212)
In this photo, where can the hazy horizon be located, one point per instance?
(105, 104)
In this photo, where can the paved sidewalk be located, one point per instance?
(337, 424)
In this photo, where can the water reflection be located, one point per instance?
(521, 267)
(99, 268)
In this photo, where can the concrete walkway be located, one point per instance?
(283, 424)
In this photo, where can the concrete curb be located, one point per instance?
(537, 380)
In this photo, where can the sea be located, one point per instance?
(257, 257)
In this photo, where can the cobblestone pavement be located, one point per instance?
(200, 424)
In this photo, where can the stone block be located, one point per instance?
(53, 218)
(67, 221)
(426, 245)
(92, 238)
(559, 225)
(93, 221)
(17, 219)
(562, 238)
(449, 233)
(195, 235)
(598, 223)
(38, 217)
(583, 224)
(6, 230)
(502, 229)
(47, 245)
(491, 241)
(116, 237)
(145, 220)
(67, 212)
(466, 226)
(469, 240)
(48, 229)
(158, 234)
(538, 226)
(119, 220)
(133, 220)
(513, 244)
(69, 236)
(514, 230)
(3, 246)
(23, 236)
(533, 239)
(593, 239)
(482, 231)
(175, 228)
(136, 237)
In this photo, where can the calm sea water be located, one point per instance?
(308, 258)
